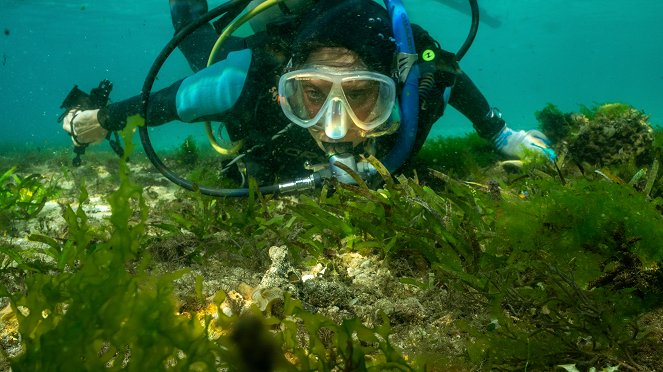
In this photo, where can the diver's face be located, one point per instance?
(360, 94)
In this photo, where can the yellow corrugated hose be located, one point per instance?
(217, 46)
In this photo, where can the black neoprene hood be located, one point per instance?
(362, 26)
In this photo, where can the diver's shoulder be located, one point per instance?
(424, 43)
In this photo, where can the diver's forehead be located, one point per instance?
(335, 57)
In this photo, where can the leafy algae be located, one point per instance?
(531, 273)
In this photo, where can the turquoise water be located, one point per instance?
(567, 52)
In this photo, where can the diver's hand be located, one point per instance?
(84, 127)
(518, 143)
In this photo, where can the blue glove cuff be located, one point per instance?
(501, 139)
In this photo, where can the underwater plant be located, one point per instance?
(606, 135)
(92, 312)
(658, 138)
(547, 274)
(555, 124)
(188, 153)
(568, 270)
(459, 157)
(22, 198)
(102, 308)
(402, 218)
(582, 265)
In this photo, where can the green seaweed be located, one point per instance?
(586, 254)
(558, 274)
(606, 110)
(460, 157)
(554, 269)
(555, 124)
(584, 265)
(22, 198)
(248, 226)
(102, 308)
(658, 138)
(345, 346)
(188, 153)
(96, 314)
(613, 110)
(407, 219)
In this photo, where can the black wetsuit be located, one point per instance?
(257, 118)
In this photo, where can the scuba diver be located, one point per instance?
(319, 82)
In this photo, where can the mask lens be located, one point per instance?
(315, 93)
(369, 99)
(362, 96)
(305, 96)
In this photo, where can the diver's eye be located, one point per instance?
(358, 96)
(360, 93)
(314, 95)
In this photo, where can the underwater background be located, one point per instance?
(465, 261)
(527, 53)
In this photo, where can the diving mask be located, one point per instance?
(336, 99)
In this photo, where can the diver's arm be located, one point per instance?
(162, 109)
(469, 101)
(488, 123)
(205, 95)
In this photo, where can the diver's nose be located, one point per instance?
(336, 120)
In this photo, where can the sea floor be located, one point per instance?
(434, 321)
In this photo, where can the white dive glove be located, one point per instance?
(84, 127)
(517, 143)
